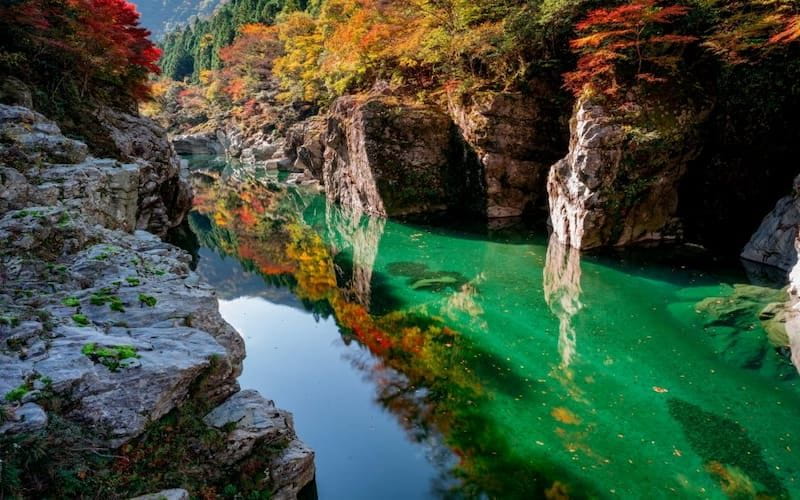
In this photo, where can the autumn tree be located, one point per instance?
(77, 48)
(248, 62)
(631, 42)
(745, 31)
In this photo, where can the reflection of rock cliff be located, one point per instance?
(562, 291)
(351, 233)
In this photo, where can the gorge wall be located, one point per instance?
(107, 333)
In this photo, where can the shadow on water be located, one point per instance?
(729, 454)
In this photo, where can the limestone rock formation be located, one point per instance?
(256, 421)
(387, 158)
(305, 145)
(173, 494)
(109, 319)
(164, 198)
(618, 185)
(198, 144)
(516, 138)
(774, 241)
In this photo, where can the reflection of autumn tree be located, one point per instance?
(430, 377)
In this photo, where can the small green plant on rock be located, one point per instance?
(133, 281)
(9, 320)
(71, 302)
(147, 300)
(110, 357)
(16, 395)
(114, 302)
(80, 319)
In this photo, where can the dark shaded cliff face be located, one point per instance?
(750, 156)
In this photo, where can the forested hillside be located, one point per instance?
(338, 46)
(192, 49)
(163, 16)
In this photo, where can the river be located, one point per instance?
(459, 361)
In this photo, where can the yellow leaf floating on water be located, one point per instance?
(660, 390)
(565, 416)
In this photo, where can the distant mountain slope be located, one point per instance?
(161, 16)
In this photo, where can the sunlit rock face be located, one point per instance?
(515, 137)
(618, 185)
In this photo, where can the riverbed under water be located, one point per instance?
(422, 361)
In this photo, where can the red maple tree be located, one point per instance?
(627, 41)
(93, 44)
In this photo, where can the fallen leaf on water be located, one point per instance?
(660, 389)
(565, 416)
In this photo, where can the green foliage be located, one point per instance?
(109, 357)
(147, 300)
(114, 302)
(71, 302)
(133, 281)
(191, 50)
(80, 319)
(16, 395)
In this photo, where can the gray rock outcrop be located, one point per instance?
(774, 241)
(164, 197)
(206, 143)
(387, 158)
(618, 185)
(110, 319)
(173, 494)
(516, 138)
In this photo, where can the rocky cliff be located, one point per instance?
(516, 137)
(105, 329)
(618, 184)
(388, 158)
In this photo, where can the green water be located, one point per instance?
(545, 373)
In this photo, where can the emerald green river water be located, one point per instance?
(423, 361)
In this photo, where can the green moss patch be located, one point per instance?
(147, 300)
(110, 357)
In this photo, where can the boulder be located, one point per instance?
(198, 144)
(618, 184)
(26, 419)
(174, 494)
(774, 241)
(29, 138)
(254, 419)
(164, 197)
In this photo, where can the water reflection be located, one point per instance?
(468, 344)
(562, 292)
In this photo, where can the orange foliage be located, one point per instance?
(630, 35)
